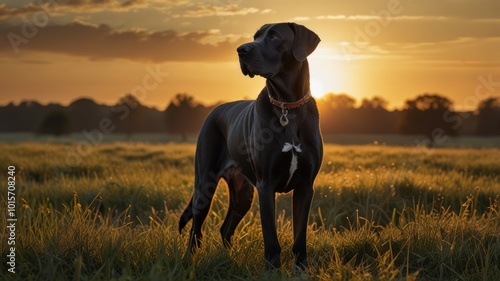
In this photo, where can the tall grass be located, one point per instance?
(379, 213)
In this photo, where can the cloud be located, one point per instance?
(75, 6)
(379, 30)
(463, 9)
(6, 12)
(463, 52)
(176, 9)
(102, 42)
(204, 10)
(91, 5)
(377, 17)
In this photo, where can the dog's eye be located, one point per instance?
(274, 37)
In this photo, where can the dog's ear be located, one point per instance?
(305, 41)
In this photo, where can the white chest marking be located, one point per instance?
(293, 165)
(288, 146)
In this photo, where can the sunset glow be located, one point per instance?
(317, 88)
(396, 49)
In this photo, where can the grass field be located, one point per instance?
(110, 212)
(341, 139)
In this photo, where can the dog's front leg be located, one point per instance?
(272, 249)
(302, 197)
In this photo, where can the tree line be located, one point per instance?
(428, 114)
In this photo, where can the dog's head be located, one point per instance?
(275, 47)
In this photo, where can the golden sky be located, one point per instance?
(60, 50)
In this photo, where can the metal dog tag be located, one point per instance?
(284, 119)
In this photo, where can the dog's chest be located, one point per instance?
(265, 150)
(295, 150)
(278, 162)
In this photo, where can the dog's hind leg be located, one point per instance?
(240, 200)
(186, 216)
(202, 200)
(210, 161)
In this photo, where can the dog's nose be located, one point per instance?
(243, 50)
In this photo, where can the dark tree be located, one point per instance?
(55, 123)
(374, 103)
(337, 113)
(372, 117)
(184, 115)
(428, 115)
(338, 101)
(489, 117)
(86, 114)
(128, 115)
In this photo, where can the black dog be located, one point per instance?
(273, 143)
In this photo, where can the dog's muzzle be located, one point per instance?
(245, 54)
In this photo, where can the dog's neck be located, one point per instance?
(290, 85)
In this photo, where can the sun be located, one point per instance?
(317, 88)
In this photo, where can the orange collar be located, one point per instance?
(291, 105)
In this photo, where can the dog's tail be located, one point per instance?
(186, 216)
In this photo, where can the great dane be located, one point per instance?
(272, 143)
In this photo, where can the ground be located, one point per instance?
(110, 211)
